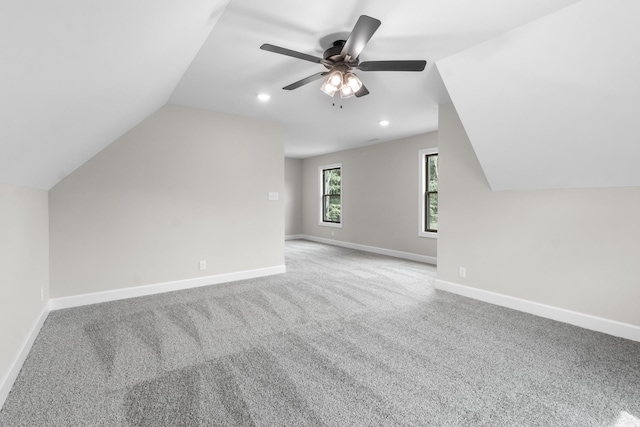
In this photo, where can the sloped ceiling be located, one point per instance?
(231, 69)
(77, 74)
(555, 103)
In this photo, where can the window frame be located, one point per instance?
(422, 192)
(321, 197)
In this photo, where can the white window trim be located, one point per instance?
(320, 178)
(422, 188)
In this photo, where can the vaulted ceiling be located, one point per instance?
(78, 74)
(555, 103)
(537, 83)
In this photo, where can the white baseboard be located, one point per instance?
(294, 237)
(158, 288)
(382, 251)
(587, 321)
(79, 300)
(10, 377)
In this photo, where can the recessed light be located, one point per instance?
(264, 97)
(384, 122)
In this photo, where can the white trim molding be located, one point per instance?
(10, 377)
(587, 321)
(159, 288)
(6, 383)
(373, 249)
(294, 237)
(321, 170)
(422, 189)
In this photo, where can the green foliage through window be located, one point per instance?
(431, 195)
(331, 197)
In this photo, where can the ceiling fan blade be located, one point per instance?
(360, 36)
(292, 53)
(361, 92)
(304, 81)
(392, 65)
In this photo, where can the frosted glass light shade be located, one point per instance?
(345, 82)
(353, 82)
(328, 88)
(336, 79)
(346, 91)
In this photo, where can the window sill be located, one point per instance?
(330, 224)
(428, 234)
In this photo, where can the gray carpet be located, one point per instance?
(345, 338)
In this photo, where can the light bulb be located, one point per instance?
(328, 88)
(336, 79)
(346, 91)
(354, 82)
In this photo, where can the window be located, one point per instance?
(331, 195)
(428, 159)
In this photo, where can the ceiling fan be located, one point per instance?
(342, 58)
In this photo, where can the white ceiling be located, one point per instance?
(77, 74)
(231, 69)
(555, 103)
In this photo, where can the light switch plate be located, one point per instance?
(273, 195)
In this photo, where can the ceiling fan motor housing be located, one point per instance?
(333, 53)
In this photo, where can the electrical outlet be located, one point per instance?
(203, 265)
(462, 272)
(41, 294)
(333, 233)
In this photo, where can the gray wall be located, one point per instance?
(182, 186)
(24, 268)
(380, 196)
(572, 249)
(293, 197)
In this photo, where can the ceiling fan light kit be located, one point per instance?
(343, 57)
(348, 84)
